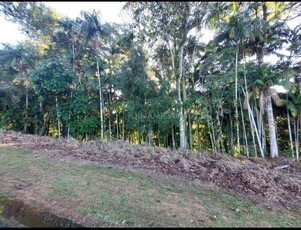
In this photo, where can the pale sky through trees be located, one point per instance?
(110, 12)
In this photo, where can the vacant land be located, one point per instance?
(100, 184)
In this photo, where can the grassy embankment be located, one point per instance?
(98, 195)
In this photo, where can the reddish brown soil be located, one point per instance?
(260, 179)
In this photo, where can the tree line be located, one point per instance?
(154, 81)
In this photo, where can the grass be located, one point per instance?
(113, 197)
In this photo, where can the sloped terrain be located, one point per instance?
(263, 180)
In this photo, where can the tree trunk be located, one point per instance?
(231, 136)
(173, 137)
(58, 117)
(150, 136)
(297, 137)
(220, 131)
(298, 126)
(123, 121)
(69, 118)
(166, 141)
(253, 135)
(251, 116)
(260, 123)
(253, 124)
(290, 133)
(139, 134)
(182, 128)
(26, 111)
(117, 126)
(109, 120)
(184, 110)
(100, 103)
(216, 147)
(47, 124)
(236, 99)
(262, 134)
(260, 53)
(211, 138)
(109, 109)
(178, 82)
(272, 131)
(244, 130)
(229, 143)
(190, 132)
(198, 132)
(42, 121)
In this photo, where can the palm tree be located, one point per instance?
(238, 31)
(293, 104)
(259, 18)
(264, 77)
(268, 15)
(92, 29)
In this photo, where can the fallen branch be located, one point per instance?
(283, 166)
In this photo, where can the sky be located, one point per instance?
(110, 12)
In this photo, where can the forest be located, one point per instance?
(153, 81)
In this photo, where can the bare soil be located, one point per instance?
(262, 180)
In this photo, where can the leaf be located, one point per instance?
(234, 6)
(258, 82)
(232, 33)
(291, 107)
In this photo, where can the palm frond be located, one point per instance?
(292, 108)
(275, 97)
(259, 82)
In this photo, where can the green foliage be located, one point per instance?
(139, 67)
(51, 78)
(293, 103)
(35, 18)
(267, 75)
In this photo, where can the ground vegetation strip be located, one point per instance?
(272, 183)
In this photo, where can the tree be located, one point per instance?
(35, 18)
(270, 14)
(171, 22)
(264, 77)
(293, 104)
(21, 59)
(92, 28)
(139, 91)
(263, 16)
(51, 78)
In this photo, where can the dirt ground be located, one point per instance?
(263, 180)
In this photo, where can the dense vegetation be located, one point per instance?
(154, 81)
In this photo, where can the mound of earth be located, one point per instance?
(272, 182)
